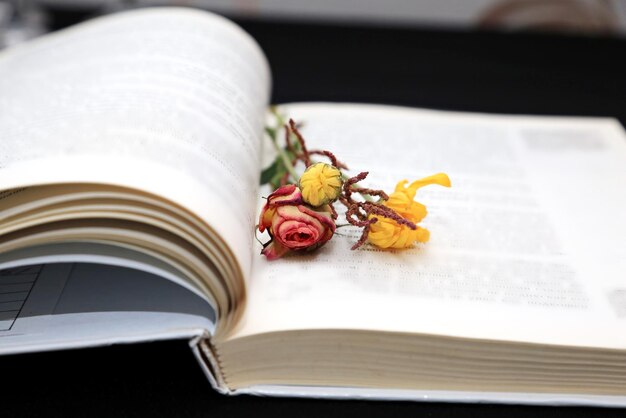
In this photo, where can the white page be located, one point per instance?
(66, 305)
(527, 245)
(97, 253)
(169, 101)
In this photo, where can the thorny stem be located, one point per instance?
(366, 212)
(365, 196)
(363, 238)
(290, 146)
(306, 158)
(333, 212)
(333, 160)
(374, 209)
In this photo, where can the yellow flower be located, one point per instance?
(320, 184)
(387, 233)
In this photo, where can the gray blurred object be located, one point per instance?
(20, 20)
(24, 19)
(584, 16)
(588, 16)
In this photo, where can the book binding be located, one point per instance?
(204, 351)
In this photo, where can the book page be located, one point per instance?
(70, 305)
(527, 245)
(169, 101)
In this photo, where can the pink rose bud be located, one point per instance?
(292, 224)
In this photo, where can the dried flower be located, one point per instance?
(388, 233)
(302, 217)
(292, 225)
(320, 184)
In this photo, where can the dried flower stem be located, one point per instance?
(377, 209)
(364, 235)
(333, 212)
(306, 158)
(366, 212)
(333, 160)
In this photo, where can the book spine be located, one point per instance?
(209, 361)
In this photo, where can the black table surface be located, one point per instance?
(441, 69)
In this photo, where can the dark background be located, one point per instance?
(443, 69)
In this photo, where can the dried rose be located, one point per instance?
(293, 225)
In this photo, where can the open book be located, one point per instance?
(130, 154)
